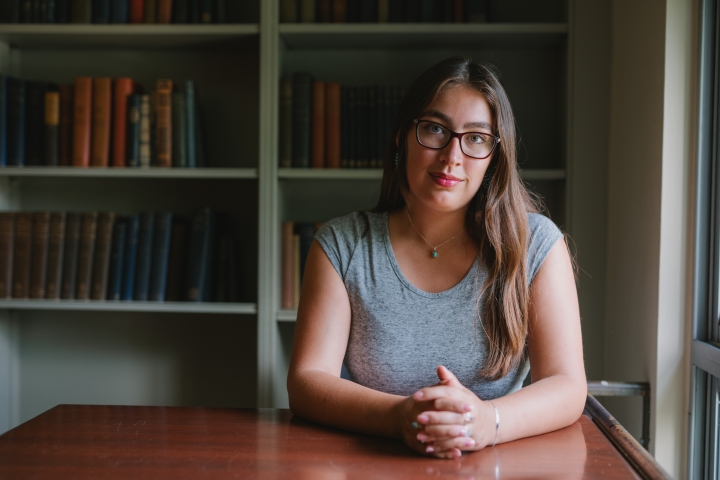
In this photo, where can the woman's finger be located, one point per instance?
(456, 405)
(454, 443)
(441, 417)
(442, 453)
(436, 391)
(447, 431)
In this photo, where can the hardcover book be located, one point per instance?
(70, 257)
(15, 121)
(119, 11)
(179, 130)
(123, 88)
(130, 257)
(56, 250)
(40, 241)
(86, 254)
(177, 261)
(164, 123)
(117, 257)
(145, 131)
(65, 135)
(318, 125)
(160, 256)
(35, 123)
(82, 121)
(3, 120)
(101, 11)
(22, 255)
(144, 256)
(132, 140)
(101, 118)
(81, 11)
(302, 104)
(7, 240)
(286, 119)
(199, 270)
(101, 260)
(52, 127)
(332, 125)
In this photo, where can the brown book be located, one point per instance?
(288, 266)
(101, 261)
(177, 261)
(70, 255)
(164, 13)
(22, 255)
(56, 247)
(82, 121)
(86, 254)
(101, 111)
(324, 11)
(145, 131)
(163, 122)
(39, 256)
(150, 11)
(318, 125)
(7, 239)
(52, 128)
(339, 11)
(332, 125)
(66, 124)
(383, 11)
(123, 88)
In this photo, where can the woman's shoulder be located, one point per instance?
(540, 225)
(543, 235)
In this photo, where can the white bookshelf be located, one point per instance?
(129, 306)
(109, 172)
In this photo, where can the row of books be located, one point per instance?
(383, 11)
(99, 122)
(113, 11)
(326, 125)
(296, 241)
(101, 255)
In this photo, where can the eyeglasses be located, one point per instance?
(473, 144)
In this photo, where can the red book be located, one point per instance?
(66, 124)
(101, 116)
(124, 87)
(318, 126)
(332, 125)
(137, 11)
(163, 122)
(82, 120)
(164, 13)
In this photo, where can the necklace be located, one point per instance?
(434, 253)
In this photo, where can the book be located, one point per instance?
(62, 11)
(413, 11)
(81, 11)
(101, 11)
(143, 263)
(82, 121)
(368, 11)
(220, 11)
(130, 257)
(15, 121)
(39, 255)
(339, 11)
(396, 11)
(179, 130)
(353, 128)
(3, 120)
(199, 266)
(180, 11)
(86, 254)
(302, 104)
(150, 11)
(137, 11)
(190, 127)
(52, 127)
(207, 14)
(324, 11)
(26, 11)
(363, 142)
(383, 11)
(476, 11)
(117, 256)
(288, 11)
(333, 134)
(49, 11)
(459, 11)
(132, 131)
(160, 256)
(288, 266)
(22, 252)
(194, 11)
(318, 125)
(7, 240)
(164, 12)
(119, 11)
(371, 128)
(35, 123)
(344, 126)
(101, 118)
(122, 89)
(307, 11)
(163, 121)
(56, 250)
(65, 134)
(200, 152)
(353, 11)
(145, 131)
(70, 255)
(286, 119)
(101, 260)
(10, 11)
(427, 11)
(177, 260)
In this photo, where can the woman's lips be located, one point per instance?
(445, 180)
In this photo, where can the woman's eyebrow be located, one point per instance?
(446, 119)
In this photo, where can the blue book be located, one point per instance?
(117, 255)
(3, 120)
(130, 257)
(200, 257)
(120, 11)
(190, 118)
(160, 256)
(144, 256)
(15, 121)
(101, 11)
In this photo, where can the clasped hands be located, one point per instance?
(446, 419)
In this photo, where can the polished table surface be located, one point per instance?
(80, 441)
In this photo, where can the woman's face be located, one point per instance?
(446, 179)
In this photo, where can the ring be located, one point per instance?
(415, 425)
(468, 418)
(467, 431)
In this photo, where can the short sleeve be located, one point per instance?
(543, 235)
(340, 237)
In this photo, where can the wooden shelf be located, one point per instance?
(376, 174)
(122, 36)
(287, 316)
(109, 172)
(422, 35)
(121, 306)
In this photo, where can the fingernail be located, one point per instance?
(419, 395)
(423, 419)
(467, 407)
(429, 449)
(422, 437)
(470, 442)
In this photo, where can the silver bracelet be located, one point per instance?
(497, 422)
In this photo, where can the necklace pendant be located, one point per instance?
(434, 254)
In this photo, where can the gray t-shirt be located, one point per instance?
(399, 334)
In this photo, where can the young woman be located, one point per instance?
(440, 299)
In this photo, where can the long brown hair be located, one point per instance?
(497, 216)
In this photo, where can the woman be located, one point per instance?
(440, 298)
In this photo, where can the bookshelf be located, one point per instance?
(237, 68)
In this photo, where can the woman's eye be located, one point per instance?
(477, 139)
(435, 128)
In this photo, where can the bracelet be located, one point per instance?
(497, 422)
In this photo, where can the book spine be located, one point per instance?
(16, 122)
(344, 127)
(86, 254)
(150, 11)
(181, 11)
(363, 139)
(368, 13)
(56, 247)
(160, 257)
(40, 240)
(307, 11)
(288, 264)
(7, 240)
(195, 11)
(164, 123)
(383, 11)
(164, 13)
(101, 260)
(82, 121)
(70, 256)
(130, 257)
(207, 14)
(62, 11)
(427, 11)
(52, 128)
(476, 11)
(49, 11)
(35, 123)
(179, 130)
(372, 122)
(200, 256)
(353, 11)
(332, 125)
(288, 11)
(10, 11)
(339, 11)
(144, 256)
(120, 11)
(117, 260)
(66, 125)
(145, 131)
(123, 88)
(318, 125)
(26, 11)
(3, 120)
(302, 103)
(353, 127)
(199, 135)
(137, 11)
(190, 120)
(101, 118)
(81, 11)
(324, 11)
(220, 11)
(101, 11)
(286, 119)
(413, 11)
(132, 140)
(176, 262)
(22, 255)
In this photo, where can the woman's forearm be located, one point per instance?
(324, 398)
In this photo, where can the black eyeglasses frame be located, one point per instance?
(459, 136)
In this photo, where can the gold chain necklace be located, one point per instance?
(434, 253)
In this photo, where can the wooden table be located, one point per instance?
(76, 441)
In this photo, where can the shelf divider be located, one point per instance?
(129, 306)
